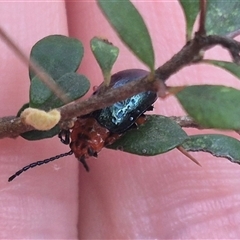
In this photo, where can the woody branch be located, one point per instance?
(191, 53)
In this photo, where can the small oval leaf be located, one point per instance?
(212, 106)
(157, 135)
(130, 27)
(39, 92)
(74, 85)
(35, 135)
(231, 67)
(222, 17)
(105, 54)
(57, 55)
(216, 144)
(191, 9)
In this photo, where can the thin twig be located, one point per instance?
(233, 34)
(202, 19)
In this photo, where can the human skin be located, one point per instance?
(123, 196)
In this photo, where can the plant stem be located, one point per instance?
(189, 54)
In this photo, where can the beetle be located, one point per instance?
(103, 127)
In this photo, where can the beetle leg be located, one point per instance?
(112, 138)
(141, 120)
(83, 161)
(64, 136)
(91, 152)
(150, 108)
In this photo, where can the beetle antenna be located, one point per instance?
(38, 163)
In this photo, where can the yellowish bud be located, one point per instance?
(40, 119)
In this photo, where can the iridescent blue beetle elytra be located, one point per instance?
(122, 115)
(100, 128)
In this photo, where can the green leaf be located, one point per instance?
(231, 67)
(57, 55)
(216, 144)
(35, 134)
(191, 10)
(106, 55)
(212, 106)
(130, 27)
(39, 92)
(222, 17)
(157, 135)
(74, 85)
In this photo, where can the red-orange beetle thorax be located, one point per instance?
(88, 137)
